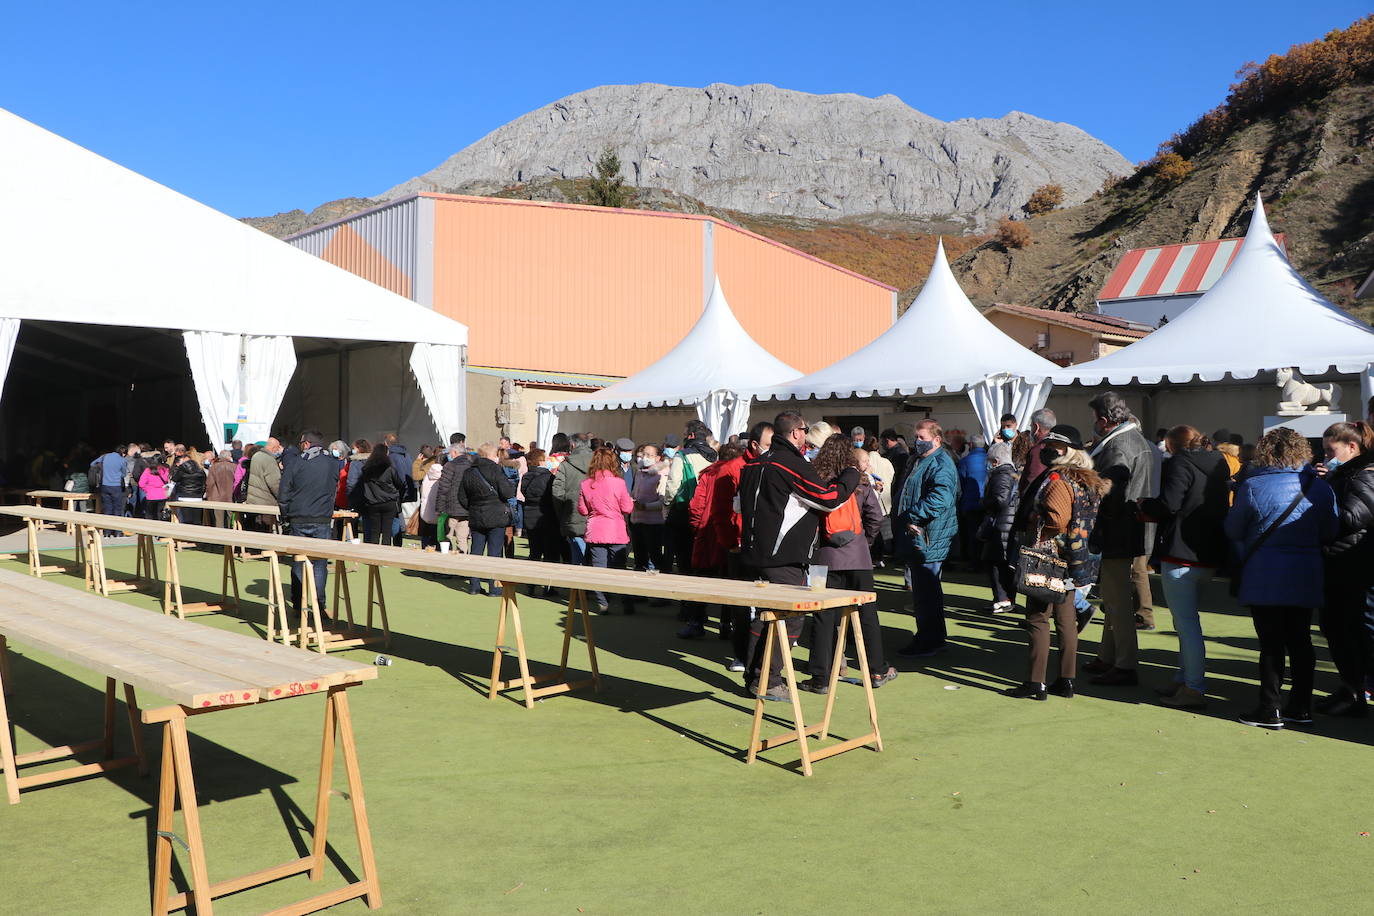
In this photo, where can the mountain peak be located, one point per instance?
(767, 150)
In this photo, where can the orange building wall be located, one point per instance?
(568, 289)
(805, 312)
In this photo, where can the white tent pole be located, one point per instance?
(9, 333)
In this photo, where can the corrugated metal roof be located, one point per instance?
(1172, 270)
(574, 379)
(1084, 321)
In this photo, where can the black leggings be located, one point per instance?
(377, 523)
(828, 624)
(1345, 624)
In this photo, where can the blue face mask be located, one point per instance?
(1009, 434)
(811, 453)
(626, 456)
(669, 452)
(1332, 465)
(336, 453)
(857, 443)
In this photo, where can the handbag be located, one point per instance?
(1041, 574)
(1259, 541)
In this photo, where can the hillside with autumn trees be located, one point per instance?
(1297, 128)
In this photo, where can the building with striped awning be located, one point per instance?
(1154, 285)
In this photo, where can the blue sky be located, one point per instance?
(256, 107)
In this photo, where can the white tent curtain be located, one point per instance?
(1000, 394)
(214, 360)
(265, 369)
(239, 381)
(9, 333)
(438, 371)
(726, 412)
(547, 427)
(1366, 385)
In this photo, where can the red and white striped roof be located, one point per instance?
(1173, 270)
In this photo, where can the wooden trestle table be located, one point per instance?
(200, 670)
(774, 604)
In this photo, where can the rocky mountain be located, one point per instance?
(764, 150)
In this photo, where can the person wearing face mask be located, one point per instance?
(1042, 421)
(881, 475)
(1124, 457)
(684, 469)
(1060, 513)
(858, 437)
(541, 517)
(1345, 617)
(1007, 432)
(923, 526)
(816, 436)
(648, 489)
(264, 474)
(628, 455)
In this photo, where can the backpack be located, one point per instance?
(844, 524)
(689, 484)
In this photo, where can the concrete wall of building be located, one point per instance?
(1069, 344)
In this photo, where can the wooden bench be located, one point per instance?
(774, 603)
(199, 670)
(68, 500)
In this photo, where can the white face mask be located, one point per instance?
(336, 453)
(646, 462)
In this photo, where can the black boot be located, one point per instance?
(1028, 691)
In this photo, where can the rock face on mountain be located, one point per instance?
(760, 149)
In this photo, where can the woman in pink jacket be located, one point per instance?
(153, 483)
(605, 501)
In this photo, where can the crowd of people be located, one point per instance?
(790, 501)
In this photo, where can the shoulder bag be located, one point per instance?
(1259, 541)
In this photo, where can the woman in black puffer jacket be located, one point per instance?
(541, 521)
(1345, 620)
(378, 492)
(188, 479)
(1000, 499)
(483, 493)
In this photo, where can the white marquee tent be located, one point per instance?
(86, 241)
(712, 369)
(1260, 316)
(942, 343)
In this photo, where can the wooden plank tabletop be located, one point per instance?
(521, 572)
(250, 508)
(193, 665)
(56, 494)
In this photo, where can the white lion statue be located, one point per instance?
(1299, 395)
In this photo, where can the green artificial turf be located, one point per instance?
(636, 799)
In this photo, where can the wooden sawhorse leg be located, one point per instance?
(776, 623)
(36, 567)
(145, 564)
(276, 601)
(178, 782)
(310, 606)
(171, 587)
(510, 612)
(11, 762)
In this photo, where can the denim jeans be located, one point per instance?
(321, 567)
(488, 541)
(577, 548)
(928, 596)
(111, 503)
(1180, 591)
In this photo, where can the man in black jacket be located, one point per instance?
(446, 498)
(306, 500)
(782, 502)
(484, 493)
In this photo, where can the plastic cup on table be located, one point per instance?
(444, 546)
(816, 575)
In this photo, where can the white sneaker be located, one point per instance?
(1002, 607)
(734, 665)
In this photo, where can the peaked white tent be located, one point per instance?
(941, 344)
(713, 368)
(86, 241)
(1260, 316)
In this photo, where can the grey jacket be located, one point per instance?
(1123, 457)
(567, 484)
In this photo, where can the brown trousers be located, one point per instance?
(1038, 615)
(1140, 581)
(1115, 585)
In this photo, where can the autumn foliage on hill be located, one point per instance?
(1044, 199)
(893, 256)
(1013, 233)
(1305, 72)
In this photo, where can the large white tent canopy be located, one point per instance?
(86, 241)
(1260, 316)
(712, 368)
(941, 344)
